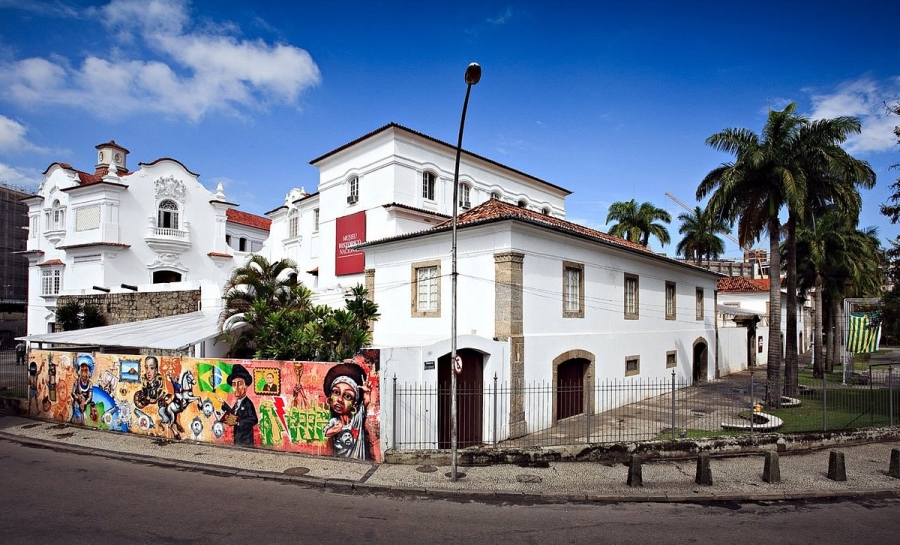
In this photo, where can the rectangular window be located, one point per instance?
(632, 293)
(632, 366)
(670, 300)
(573, 290)
(428, 186)
(426, 289)
(293, 224)
(464, 196)
(50, 281)
(315, 220)
(33, 231)
(699, 303)
(671, 359)
(353, 190)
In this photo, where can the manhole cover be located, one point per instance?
(29, 426)
(64, 435)
(296, 471)
(459, 475)
(528, 479)
(427, 469)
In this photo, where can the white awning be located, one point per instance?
(168, 333)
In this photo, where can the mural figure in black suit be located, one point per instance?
(243, 414)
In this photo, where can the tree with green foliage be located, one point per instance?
(891, 300)
(638, 223)
(73, 315)
(701, 229)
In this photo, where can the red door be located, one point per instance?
(469, 400)
(570, 388)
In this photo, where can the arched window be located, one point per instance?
(522, 203)
(167, 217)
(293, 223)
(464, 201)
(58, 215)
(546, 211)
(495, 195)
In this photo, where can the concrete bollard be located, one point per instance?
(837, 470)
(894, 469)
(704, 473)
(635, 473)
(771, 471)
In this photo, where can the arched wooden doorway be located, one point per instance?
(469, 400)
(570, 387)
(701, 360)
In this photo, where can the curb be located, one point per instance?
(344, 486)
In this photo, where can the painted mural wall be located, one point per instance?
(328, 409)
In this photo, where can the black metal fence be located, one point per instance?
(13, 378)
(544, 414)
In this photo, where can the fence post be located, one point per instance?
(824, 400)
(589, 408)
(752, 404)
(495, 410)
(871, 399)
(891, 393)
(394, 417)
(673, 404)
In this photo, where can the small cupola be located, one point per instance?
(111, 155)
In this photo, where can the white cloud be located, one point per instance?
(26, 178)
(12, 137)
(503, 18)
(183, 69)
(863, 98)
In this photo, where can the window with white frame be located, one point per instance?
(464, 191)
(33, 230)
(632, 296)
(353, 190)
(699, 303)
(58, 215)
(51, 280)
(315, 220)
(428, 182)
(167, 215)
(293, 223)
(573, 290)
(670, 300)
(426, 289)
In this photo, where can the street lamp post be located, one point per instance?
(473, 75)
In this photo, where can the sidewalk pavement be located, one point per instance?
(736, 478)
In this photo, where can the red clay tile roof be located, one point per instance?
(250, 220)
(495, 209)
(742, 284)
(51, 263)
(111, 144)
(85, 178)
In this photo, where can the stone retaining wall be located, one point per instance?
(121, 308)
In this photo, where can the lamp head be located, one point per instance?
(473, 74)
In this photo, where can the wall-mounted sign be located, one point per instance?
(429, 365)
(349, 230)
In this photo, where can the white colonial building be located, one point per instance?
(540, 299)
(154, 229)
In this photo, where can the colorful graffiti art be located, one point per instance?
(328, 409)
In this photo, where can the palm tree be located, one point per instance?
(638, 223)
(763, 178)
(251, 293)
(700, 229)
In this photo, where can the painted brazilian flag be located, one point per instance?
(864, 335)
(212, 376)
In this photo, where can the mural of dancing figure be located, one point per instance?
(242, 416)
(348, 391)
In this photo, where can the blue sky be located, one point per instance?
(611, 100)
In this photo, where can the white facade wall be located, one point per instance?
(389, 165)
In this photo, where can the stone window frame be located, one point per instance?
(700, 296)
(568, 312)
(671, 359)
(635, 312)
(636, 360)
(671, 293)
(414, 290)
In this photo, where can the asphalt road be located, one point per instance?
(59, 497)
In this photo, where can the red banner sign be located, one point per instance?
(349, 230)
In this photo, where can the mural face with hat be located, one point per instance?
(242, 415)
